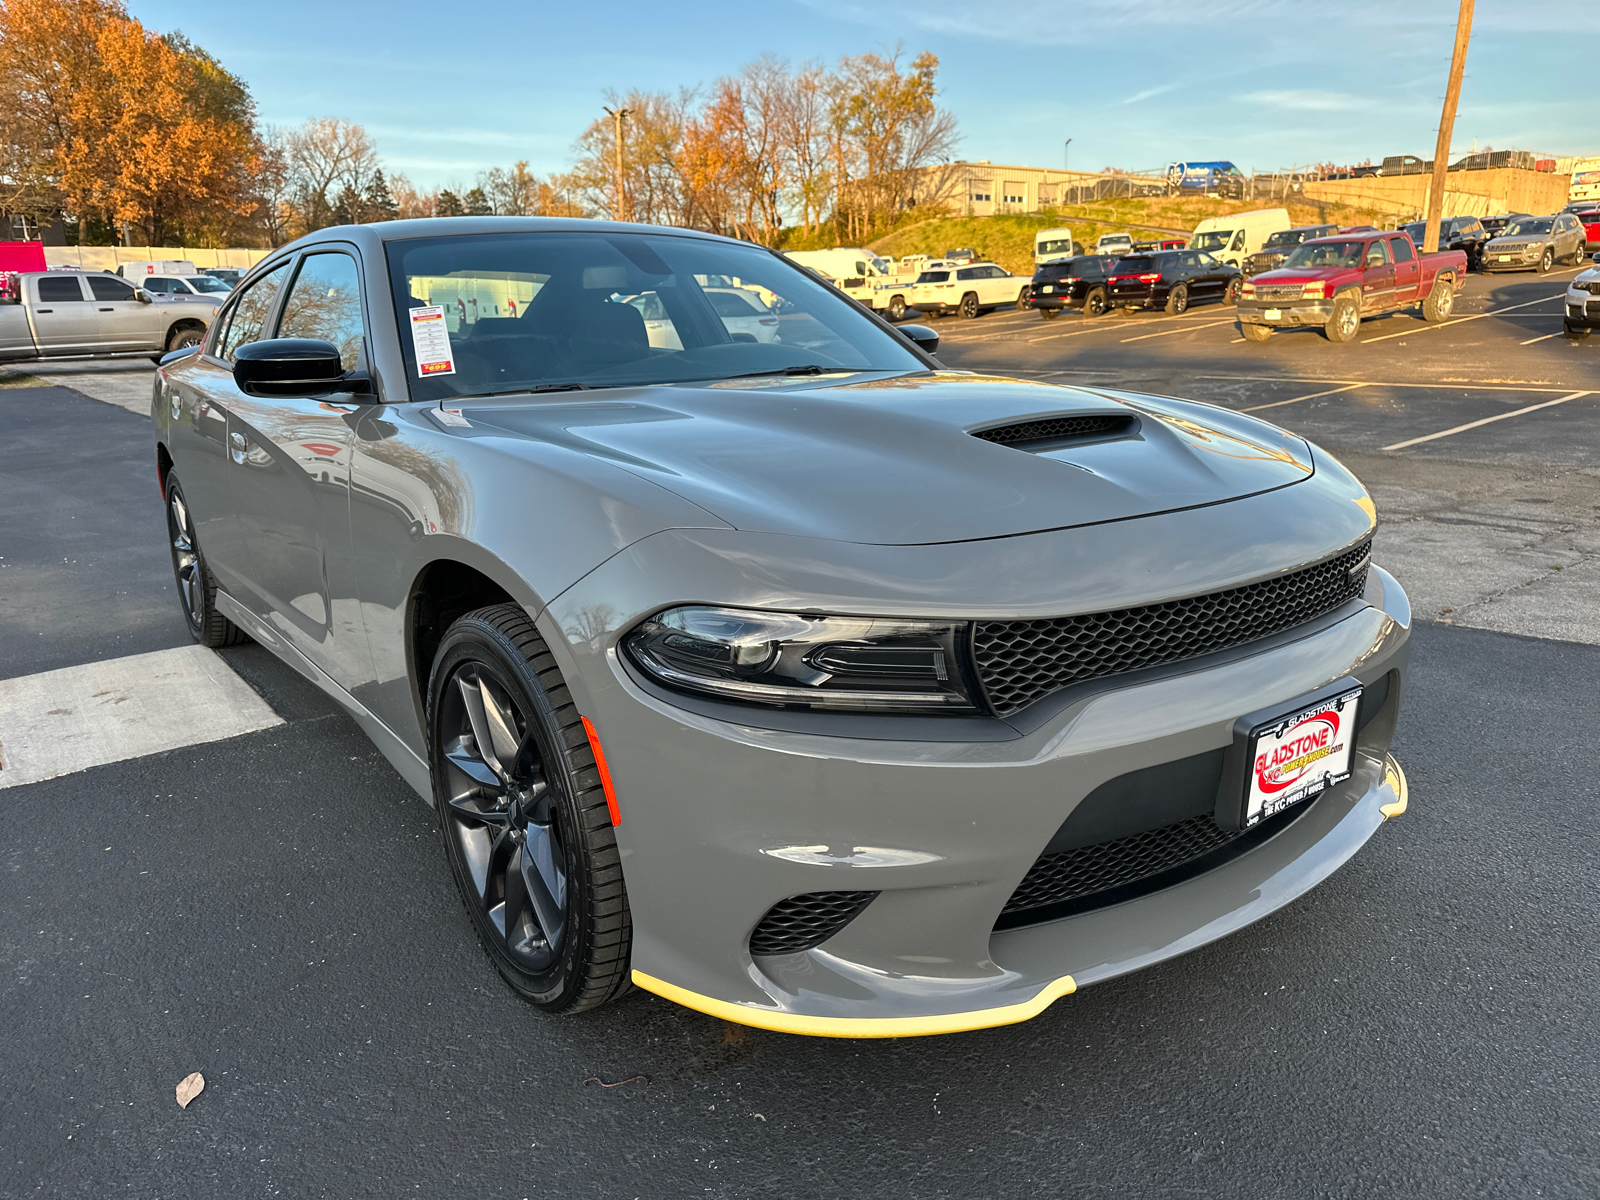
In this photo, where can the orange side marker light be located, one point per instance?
(605, 772)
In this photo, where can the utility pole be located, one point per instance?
(1065, 151)
(619, 210)
(1433, 218)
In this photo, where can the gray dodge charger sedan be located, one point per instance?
(783, 673)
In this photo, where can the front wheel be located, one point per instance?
(1178, 300)
(969, 305)
(1548, 260)
(182, 339)
(897, 308)
(1436, 308)
(1345, 321)
(523, 814)
(197, 591)
(1256, 333)
(1230, 294)
(1094, 304)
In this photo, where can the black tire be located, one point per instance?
(897, 308)
(549, 799)
(1580, 253)
(197, 590)
(1095, 303)
(1345, 322)
(1178, 300)
(1547, 260)
(1575, 333)
(969, 305)
(1256, 333)
(1230, 294)
(1437, 307)
(180, 338)
(1049, 314)
(1022, 300)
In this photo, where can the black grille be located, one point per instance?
(805, 922)
(1054, 429)
(1055, 878)
(1020, 661)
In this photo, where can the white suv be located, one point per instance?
(968, 290)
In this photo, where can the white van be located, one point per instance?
(1052, 245)
(1235, 238)
(856, 272)
(135, 271)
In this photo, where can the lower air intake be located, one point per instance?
(805, 922)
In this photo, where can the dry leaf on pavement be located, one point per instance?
(190, 1087)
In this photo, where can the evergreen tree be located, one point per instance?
(379, 200)
(478, 204)
(347, 208)
(449, 205)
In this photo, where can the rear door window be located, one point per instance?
(250, 313)
(1402, 249)
(59, 289)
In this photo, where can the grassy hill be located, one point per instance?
(1008, 239)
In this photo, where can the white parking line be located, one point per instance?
(1102, 324)
(1546, 337)
(59, 722)
(1170, 332)
(1516, 412)
(1331, 392)
(1462, 320)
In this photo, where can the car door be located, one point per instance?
(1377, 279)
(63, 314)
(290, 477)
(1196, 274)
(1407, 271)
(201, 404)
(122, 320)
(1573, 237)
(994, 286)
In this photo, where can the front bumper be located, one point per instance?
(725, 813)
(1494, 261)
(1285, 312)
(1582, 310)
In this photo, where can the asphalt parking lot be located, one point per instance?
(271, 906)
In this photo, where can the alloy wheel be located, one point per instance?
(501, 812)
(186, 559)
(1348, 318)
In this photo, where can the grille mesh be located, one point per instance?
(1278, 291)
(1089, 869)
(1020, 661)
(1054, 429)
(805, 922)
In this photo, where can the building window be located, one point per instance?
(981, 196)
(1014, 200)
(23, 228)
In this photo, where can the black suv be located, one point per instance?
(1173, 279)
(1460, 233)
(1278, 246)
(1072, 283)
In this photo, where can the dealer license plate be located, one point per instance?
(1502, 258)
(1300, 755)
(1272, 314)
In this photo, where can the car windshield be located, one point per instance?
(1059, 246)
(1327, 254)
(1527, 228)
(507, 312)
(207, 283)
(1215, 240)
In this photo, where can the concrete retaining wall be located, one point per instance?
(1478, 193)
(106, 258)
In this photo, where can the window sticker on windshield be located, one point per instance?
(432, 342)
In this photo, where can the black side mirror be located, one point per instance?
(282, 367)
(926, 339)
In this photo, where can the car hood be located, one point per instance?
(1302, 274)
(894, 462)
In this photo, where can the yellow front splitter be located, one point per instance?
(1394, 779)
(858, 1027)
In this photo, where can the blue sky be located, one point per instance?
(447, 90)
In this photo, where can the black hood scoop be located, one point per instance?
(1048, 433)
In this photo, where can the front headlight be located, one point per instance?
(879, 664)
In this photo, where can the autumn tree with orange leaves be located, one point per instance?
(101, 117)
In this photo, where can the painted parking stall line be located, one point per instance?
(1493, 312)
(1505, 416)
(1170, 332)
(1349, 387)
(68, 720)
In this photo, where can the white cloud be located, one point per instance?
(1305, 101)
(1149, 93)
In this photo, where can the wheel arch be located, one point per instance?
(184, 323)
(443, 590)
(163, 467)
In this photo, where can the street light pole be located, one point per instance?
(1433, 218)
(619, 210)
(1065, 151)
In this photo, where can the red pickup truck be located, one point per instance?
(1336, 281)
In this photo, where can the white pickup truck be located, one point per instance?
(70, 314)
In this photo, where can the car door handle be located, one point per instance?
(44, 310)
(236, 447)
